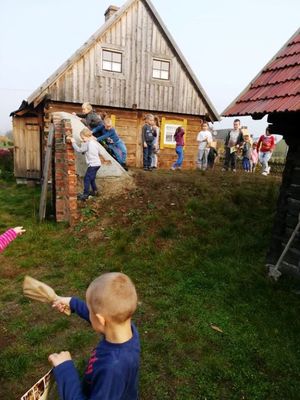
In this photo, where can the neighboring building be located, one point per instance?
(130, 67)
(276, 91)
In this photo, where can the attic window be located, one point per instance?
(111, 61)
(161, 69)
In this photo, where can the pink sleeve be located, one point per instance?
(6, 238)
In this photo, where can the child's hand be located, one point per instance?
(61, 303)
(145, 145)
(58, 358)
(19, 230)
(70, 139)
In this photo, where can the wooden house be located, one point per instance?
(275, 92)
(130, 67)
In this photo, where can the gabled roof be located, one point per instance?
(38, 95)
(276, 88)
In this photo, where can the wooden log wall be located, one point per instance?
(129, 126)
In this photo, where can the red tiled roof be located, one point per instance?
(276, 88)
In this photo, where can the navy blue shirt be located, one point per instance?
(111, 373)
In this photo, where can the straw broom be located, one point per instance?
(39, 291)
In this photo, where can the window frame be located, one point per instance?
(167, 123)
(111, 61)
(160, 70)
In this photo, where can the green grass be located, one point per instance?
(194, 244)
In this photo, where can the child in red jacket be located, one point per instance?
(265, 147)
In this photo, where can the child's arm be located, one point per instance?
(144, 129)
(104, 136)
(66, 376)
(9, 236)
(76, 305)
(82, 149)
(98, 129)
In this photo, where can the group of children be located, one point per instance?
(239, 142)
(100, 129)
(112, 371)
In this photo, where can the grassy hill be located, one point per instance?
(194, 244)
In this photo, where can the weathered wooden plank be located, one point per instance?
(46, 169)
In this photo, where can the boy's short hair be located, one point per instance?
(149, 116)
(85, 132)
(87, 106)
(237, 120)
(113, 295)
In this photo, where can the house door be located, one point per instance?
(27, 146)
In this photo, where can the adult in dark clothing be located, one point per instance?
(233, 141)
(89, 117)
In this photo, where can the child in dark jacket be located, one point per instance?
(89, 117)
(246, 153)
(148, 139)
(112, 370)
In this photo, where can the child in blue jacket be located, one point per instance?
(112, 370)
(113, 141)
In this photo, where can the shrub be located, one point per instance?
(6, 163)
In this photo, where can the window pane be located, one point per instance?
(165, 66)
(156, 73)
(169, 133)
(106, 55)
(117, 57)
(164, 74)
(156, 64)
(106, 65)
(116, 67)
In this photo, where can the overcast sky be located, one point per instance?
(225, 42)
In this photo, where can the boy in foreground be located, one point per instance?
(112, 370)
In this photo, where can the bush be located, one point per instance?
(6, 163)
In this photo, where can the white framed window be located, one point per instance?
(160, 69)
(111, 61)
(169, 132)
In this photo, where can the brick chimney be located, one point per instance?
(110, 11)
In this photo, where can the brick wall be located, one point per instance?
(65, 173)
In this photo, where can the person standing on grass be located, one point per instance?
(155, 144)
(246, 153)
(92, 150)
(233, 141)
(89, 117)
(179, 139)
(265, 147)
(113, 368)
(9, 236)
(254, 157)
(148, 139)
(204, 139)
